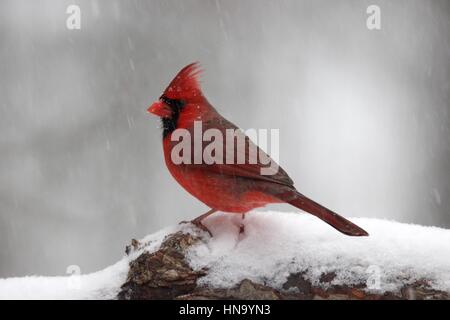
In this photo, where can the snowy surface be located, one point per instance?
(278, 244)
(104, 284)
(273, 246)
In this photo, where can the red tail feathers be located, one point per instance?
(333, 219)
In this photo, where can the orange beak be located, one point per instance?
(160, 109)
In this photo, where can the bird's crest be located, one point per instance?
(185, 85)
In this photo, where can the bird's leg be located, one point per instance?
(203, 216)
(242, 227)
(198, 221)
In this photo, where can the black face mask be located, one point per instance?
(170, 124)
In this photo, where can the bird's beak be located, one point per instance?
(160, 109)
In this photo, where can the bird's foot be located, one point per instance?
(198, 221)
(241, 228)
(198, 224)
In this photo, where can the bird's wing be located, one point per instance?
(246, 170)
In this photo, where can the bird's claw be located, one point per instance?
(201, 226)
(198, 224)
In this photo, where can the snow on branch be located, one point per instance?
(279, 256)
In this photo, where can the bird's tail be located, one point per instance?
(333, 219)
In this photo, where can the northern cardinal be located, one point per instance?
(234, 188)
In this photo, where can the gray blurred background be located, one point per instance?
(363, 115)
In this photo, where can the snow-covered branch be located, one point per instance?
(279, 256)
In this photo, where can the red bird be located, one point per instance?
(236, 188)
